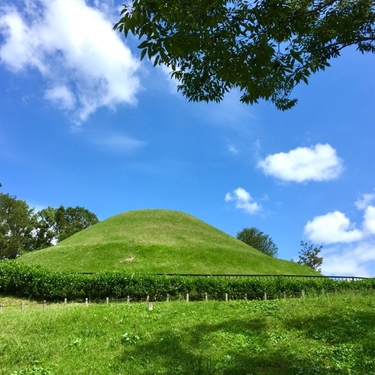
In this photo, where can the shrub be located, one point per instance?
(33, 281)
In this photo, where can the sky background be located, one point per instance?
(84, 123)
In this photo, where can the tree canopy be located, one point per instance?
(16, 226)
(262, 47)
(258, 240)
(309, 256)
(23, 230)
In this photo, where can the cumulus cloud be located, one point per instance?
(83, 62)
(317, 163)
(243, 200)
(364, 201)
(331, 228)
(356, 253)
(357, 259)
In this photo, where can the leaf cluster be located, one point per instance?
(262, 47)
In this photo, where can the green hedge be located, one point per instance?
(33, 281)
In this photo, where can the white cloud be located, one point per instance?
(233, 150)
(332, 228)
(83, 62)
(369, 220)
(365, 201)
(61, 96)
(356, 253)
(120, 143)
(243, 200)
(317, 163)
(350, 260)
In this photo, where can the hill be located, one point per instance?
(158, 241)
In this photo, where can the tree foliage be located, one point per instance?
(263, 47)
(258, 240)
(309, 256)
(72, 220)
(16, 226)
(22, 230)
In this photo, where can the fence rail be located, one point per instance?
(234, 275)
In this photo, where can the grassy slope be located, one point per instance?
(159, 241)
(316, 335)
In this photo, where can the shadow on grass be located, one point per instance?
(252, 347)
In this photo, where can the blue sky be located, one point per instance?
(84, 122)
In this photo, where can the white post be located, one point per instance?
(86, 301)
(187, 297)
(206, 297)
(265, 296)
(167, 297)
(107, 300)
(65, 301)
(128, 299)
(44, 304)
(226, 297)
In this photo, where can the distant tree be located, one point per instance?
(72, 220)
(309, 256)
(258, 240)
(16, 227)
(45, 233)
(57, 224)
(23, 230)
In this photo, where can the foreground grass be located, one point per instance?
(315, 335)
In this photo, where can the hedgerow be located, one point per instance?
(33, 281)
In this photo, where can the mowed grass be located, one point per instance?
(314, 335)
(158, 241)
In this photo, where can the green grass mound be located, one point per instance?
(158, 241)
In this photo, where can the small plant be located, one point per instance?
(130, 338)
(34, 370)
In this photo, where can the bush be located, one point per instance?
(32, 281)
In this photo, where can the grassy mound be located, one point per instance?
(158, 241)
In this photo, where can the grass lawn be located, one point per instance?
(330, 334)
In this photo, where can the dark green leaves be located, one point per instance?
(264, 47)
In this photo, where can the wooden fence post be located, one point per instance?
(167, 297)
(226, 297)
(148, 299)
(206, 297)
(303, 294)
(128, 299)
(187, 297)
(265, 296)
